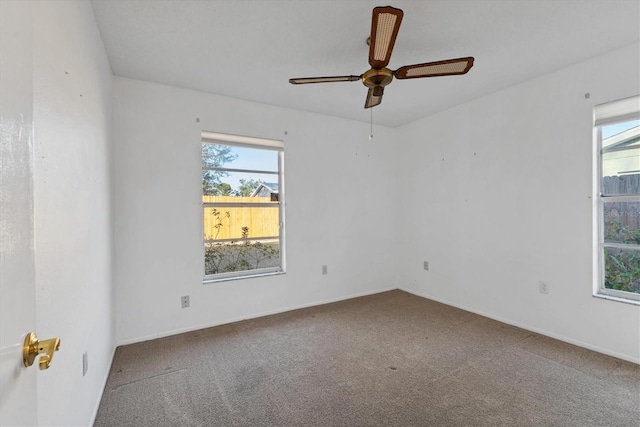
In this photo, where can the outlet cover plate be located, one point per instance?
(544, 287)
(185, 301)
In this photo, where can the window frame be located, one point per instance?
(230, 140)
(621, 111)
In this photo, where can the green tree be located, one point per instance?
(223, 189)
(214, 156)
(247, 186)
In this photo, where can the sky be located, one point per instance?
(249, 158)
(614, 129)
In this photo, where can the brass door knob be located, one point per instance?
(33, 347)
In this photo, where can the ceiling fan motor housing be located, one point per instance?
(377, 77)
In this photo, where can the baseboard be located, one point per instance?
(249, 316)
(351, 296)
(529, 328)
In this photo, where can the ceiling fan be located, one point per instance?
(385, 24)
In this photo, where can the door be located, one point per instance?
(18, 404)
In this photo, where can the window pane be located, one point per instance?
(239, 184)
(621, 222)
(254, 159)
(622, 269)
(241, 223)
(226, 156)
(241, 256)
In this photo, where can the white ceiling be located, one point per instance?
(249, 49)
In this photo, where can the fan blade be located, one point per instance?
(374, 96)
(450, 67)
(306, 80)
(385, 24)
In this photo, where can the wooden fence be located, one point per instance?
(623, 184)
(227, 222)
(626, 214)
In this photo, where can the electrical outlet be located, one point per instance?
(544, 287)
(426, 265)
(185, 301)
(324, 269)
(85, 363)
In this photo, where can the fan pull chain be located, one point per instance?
(371, 132)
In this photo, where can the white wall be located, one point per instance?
(499, 192)
(72, 94)
(337, 210)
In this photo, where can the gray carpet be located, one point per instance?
(391, 359)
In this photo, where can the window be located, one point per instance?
(617, 127)
(242, 201)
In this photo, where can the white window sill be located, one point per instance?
(244, 276)
(618, 299)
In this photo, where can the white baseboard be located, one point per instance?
(248, 316)
(529, 328)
